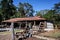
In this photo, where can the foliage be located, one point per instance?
(8, 9)
(57, 8)
(38, 14)
(57, 12)
(49, 15)
(54, 14)
(25, 10)
(0, 12)
(41, 13)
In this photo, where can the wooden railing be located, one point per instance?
(7, 29)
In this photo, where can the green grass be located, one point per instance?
(18, 30)
(5, 33)
(9, 32)
(56, 34)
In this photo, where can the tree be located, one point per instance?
(25, 10)
(41, 12)
(50, 15)
(57, 12)
(38, 14)
(57, 7)
(8, 9)
(1, 15)
(21, 10)
(28, 9)
(1, 18)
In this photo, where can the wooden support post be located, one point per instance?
(12, 31)
(39, 24)
(29, 25)
(26, 24)
(30, 31)
(19, 25)
(56, 27)
(34, 23)
(45, 24)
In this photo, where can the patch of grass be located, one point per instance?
(56, 34)
(9, 32)
(5, 33)
(18, 30)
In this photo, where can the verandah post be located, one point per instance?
(34, 23)
(12, 31)
(19, 25)
(26, 24)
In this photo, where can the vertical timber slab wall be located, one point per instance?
(49, 26)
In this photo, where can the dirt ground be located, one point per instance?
(50, 33)
(5, 37)
(8, 37)
(32, 38)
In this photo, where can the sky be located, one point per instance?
(38, 4)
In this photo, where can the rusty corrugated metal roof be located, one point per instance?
(24, 19)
